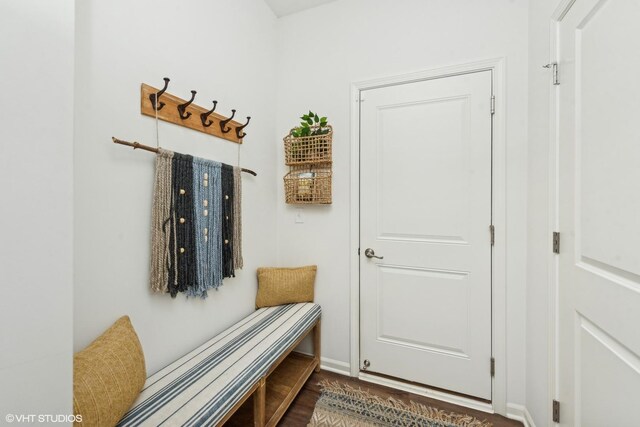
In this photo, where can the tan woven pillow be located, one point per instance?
(277, 286)
(108, 376)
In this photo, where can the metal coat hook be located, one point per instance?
(155, 96)
(223, 123)
(239, 132)
(184, 106)
(203, 116)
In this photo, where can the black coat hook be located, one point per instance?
(155, 96)
(204, 116)
(239, 129)
(223, 123)
(184, 106)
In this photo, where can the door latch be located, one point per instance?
(370, 253)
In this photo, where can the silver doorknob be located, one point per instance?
(370, 253)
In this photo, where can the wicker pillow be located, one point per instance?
(277, 286)
(108, 375)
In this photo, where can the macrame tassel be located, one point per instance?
(215, 244)
(237, 218)
(183, 222)
(227, 221)
(206, 180)
(160, 212)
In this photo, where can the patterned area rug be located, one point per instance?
(341, 405)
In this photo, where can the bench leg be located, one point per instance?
(259, 403)
(316, 345)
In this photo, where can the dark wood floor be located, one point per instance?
(300, 411)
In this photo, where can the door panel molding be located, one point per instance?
(498, 299)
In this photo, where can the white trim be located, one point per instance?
(427, 392)
(331, 365)
(520, 413)
(554, 213)
(561, 10)
(354, 233)
(499, 309)
(553, 221)
(335, 366)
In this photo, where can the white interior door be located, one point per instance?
(599, 202)
(425, 207)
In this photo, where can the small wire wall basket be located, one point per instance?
(308, 149)
(308, 185)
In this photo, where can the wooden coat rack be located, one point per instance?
(178, 111)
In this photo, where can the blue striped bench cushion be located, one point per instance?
(201, 387)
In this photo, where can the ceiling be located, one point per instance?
(287, 7)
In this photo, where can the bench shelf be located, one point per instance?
(282, 386)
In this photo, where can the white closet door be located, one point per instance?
(426, 209)
(599, 193)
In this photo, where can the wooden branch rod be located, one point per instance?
(155, 150)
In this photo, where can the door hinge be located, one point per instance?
(556, 411)
(492, 231)
(556, 242)
(493, 367)
(493, 104)
(554, 70)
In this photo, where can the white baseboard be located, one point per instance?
(336, 366)
(519, 413)
(332, 365)
(427, 392)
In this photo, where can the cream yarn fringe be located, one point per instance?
(162, 195)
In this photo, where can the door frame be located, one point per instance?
(554, 209)
(498, 271)
(563, 7)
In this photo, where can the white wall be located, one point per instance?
(323, 50)
(36, 134)
(332, 46)
(226, 51)
(538, 396)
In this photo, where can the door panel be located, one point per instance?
(599, 154)
(404, 172)
(604, 47)
(440, 293)
(426, 208)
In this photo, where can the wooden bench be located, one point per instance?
(255, 357)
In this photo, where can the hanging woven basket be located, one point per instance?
(308, 185)
(308, 149)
